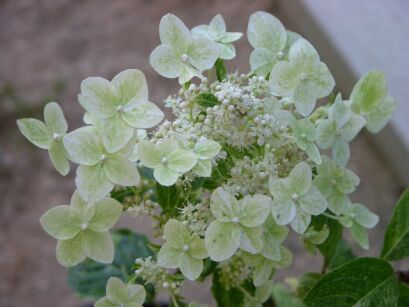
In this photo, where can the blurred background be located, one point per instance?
(48, 46)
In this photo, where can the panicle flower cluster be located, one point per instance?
(150, 272)
(239, 165)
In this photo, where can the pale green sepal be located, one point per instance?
(251, 239)
(106, 215)
(116, 133)
(181, 161)
(92, 182)
(203, 168)
(168, 256)
(104, 302)
(131, 86)
(82, 146)
(98, 246)
(222, 240)
(116, 290)
(54, 118)
(69, 252)
(206, 149)
(61, 223)
(58, 158)
(189, 266)
(360, 235)
(99, 96)
(165, 176)
(121, 171)
(35, 131)
(176, 233)
(143, 115)
(254, 210)
(224, 205)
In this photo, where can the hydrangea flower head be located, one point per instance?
(119, 294)
(98, 169)
(181, 54)
(82, 229)
(48, 135)
(341, 127)
(216, 31)
(295, 198)
(122, 104)
(236, 225)
(303, 78)
(182, 250)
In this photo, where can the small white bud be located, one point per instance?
(184, 58)
(56, 136)
(235, 220)
(165, 285)
(303, 76)
(280, 55)
(295, 196)
(102, 157)
(84, 226)
(185, 247)
(164, 160)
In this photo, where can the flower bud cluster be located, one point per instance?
(151, 273)
(233, 272)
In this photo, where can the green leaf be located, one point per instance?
(396, 242)
(306, 282)
(360, 282)
(226, 296)
(220, 70)
(206, 100)
(35, 131)
(168, 197)
(403, 295)
(89, 278)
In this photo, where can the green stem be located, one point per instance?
(330, 216)
(246, 293)
(174, 300)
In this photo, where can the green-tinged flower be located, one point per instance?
(295, 198)
(166, 159)
(48, 135)
(182, 250)
(269, 38)
(82, 229)
(261, 295)
(205, 151)
(273, 236)
(335, 182)
(304, 132)
(264, 267)
(303, 78)
(216, 31)
(314, 237)
(119, 294)
(357, 218)
(237, 224)
(121, 105)
(370, 99)
(99, 170)
(340, 128)
(180, 54)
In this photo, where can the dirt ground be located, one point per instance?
(49, 41)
